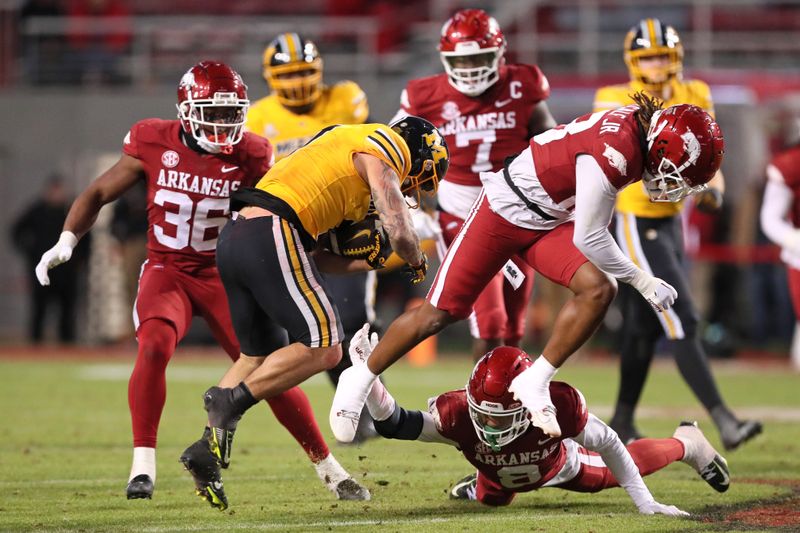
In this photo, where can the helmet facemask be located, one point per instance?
(495, 425)
(471, 70)
(217, 124)
(665, 182)
(424, 182)
(296, 84)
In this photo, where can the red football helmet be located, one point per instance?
(684, 151)
(498, 418)
(471, 49)
(212, 105)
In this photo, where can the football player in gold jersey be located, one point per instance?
(299, 106)
(650, 234)
(282, 311)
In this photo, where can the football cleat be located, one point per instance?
(140, 487)
(465, 488)
(700, 455)
(339, 482)
(204, 466)
(349, 489)
(743, 432)
(223, 418)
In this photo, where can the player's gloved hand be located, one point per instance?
(362, 344)
(658, 293)
(709, 200)
(791, 242)
(60, 253)
(381, 248)
(417, 272)
(653, 507)
(425, 225)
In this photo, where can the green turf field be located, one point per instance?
(66, 456)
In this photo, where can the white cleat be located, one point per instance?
(701, 455)
(348, 402)
(540, 407)
(339, 482)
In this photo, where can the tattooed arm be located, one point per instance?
(391, 206)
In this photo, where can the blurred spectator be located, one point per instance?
(99, 33)
(129, 227)
(33, 232)
(44, 53)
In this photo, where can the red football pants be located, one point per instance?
(499, 310)
(483, 245)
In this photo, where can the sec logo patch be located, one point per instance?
(170, 158)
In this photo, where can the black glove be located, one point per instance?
(381, 248)
(417, 272)
(708, 201)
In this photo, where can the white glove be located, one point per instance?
(658, 293)
(791, 242)
(653, 507)
(426, 227)
(60, 253)
(362, 344)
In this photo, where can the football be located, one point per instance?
(354, 239)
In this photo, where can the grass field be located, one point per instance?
(66, 455)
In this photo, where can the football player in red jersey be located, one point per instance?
(552, 204)
(486, 110)
(780, 220)
(493, 432)
(191, 167)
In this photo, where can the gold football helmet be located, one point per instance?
(653, 54)
(293, 70)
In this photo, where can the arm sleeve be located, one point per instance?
(775, 208)
(410, 425)
(600, 438)
(594, 205)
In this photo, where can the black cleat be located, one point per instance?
(140, 487)
(743, 432)
(223, 417)
(205, 469)
(465, 488)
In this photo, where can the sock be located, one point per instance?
(724, 419)
(242, 398)
(330, 471)
(541, 372)
(147, 388)
(293, 411)
(144, 462)
(623, 416)
(651, 455)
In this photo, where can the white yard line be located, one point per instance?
(532, 517)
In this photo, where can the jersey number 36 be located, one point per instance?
(192, 221)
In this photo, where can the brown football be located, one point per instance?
(353, 239)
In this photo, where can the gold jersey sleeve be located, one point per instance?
(342, 103)
(634, 199)
(320, 182)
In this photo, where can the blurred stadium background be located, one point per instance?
(76, 74)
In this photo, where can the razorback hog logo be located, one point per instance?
(691, 147)
(616, 159)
